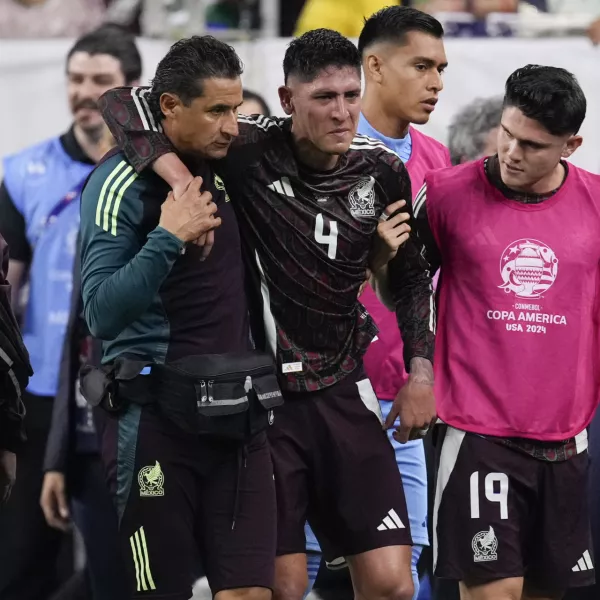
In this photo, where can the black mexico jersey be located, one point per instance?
(307, 236)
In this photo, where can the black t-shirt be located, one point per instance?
(12, 223)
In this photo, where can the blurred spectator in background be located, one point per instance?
(341, 15)
(480, 8)
(569, 6)
(49, 18)
(254, 104)
(473, 132)
(39, 218)
(233, 14)
(578, 8)
(74, 480)
(590, 7)
(178, 18)
(128, 14)
(594, 32)
(289, 17)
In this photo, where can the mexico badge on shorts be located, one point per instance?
(485, 546)
(151, 480)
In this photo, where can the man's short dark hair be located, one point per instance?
(317, 50)
(114, 41)
(549, 95)
(187, 64)
(249, 95)
(393, 23)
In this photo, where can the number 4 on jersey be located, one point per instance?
(329, 239)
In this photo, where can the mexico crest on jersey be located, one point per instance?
(362, 198)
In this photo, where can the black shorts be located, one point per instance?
(186, 501)
(501, 513)
(335, 467)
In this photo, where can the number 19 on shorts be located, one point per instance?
(496, 491)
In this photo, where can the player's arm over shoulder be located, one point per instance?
(256, 128)
(137, 131)
(256, 134)
(121, 268)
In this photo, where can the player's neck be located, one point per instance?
(310, 156)
(385, 123)
(92, 142)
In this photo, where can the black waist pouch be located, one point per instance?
(228, 396)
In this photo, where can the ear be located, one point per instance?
(285, 98)
(572, 144)
(372, 65)
(170, 104)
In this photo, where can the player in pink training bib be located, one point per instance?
(403, 60)
(516, 235)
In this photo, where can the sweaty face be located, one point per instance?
(410, 75)
(325, 110)
(209, 124)
(89, 76)
(529, 154)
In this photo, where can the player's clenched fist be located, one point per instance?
(192, 215)
(392, 232)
